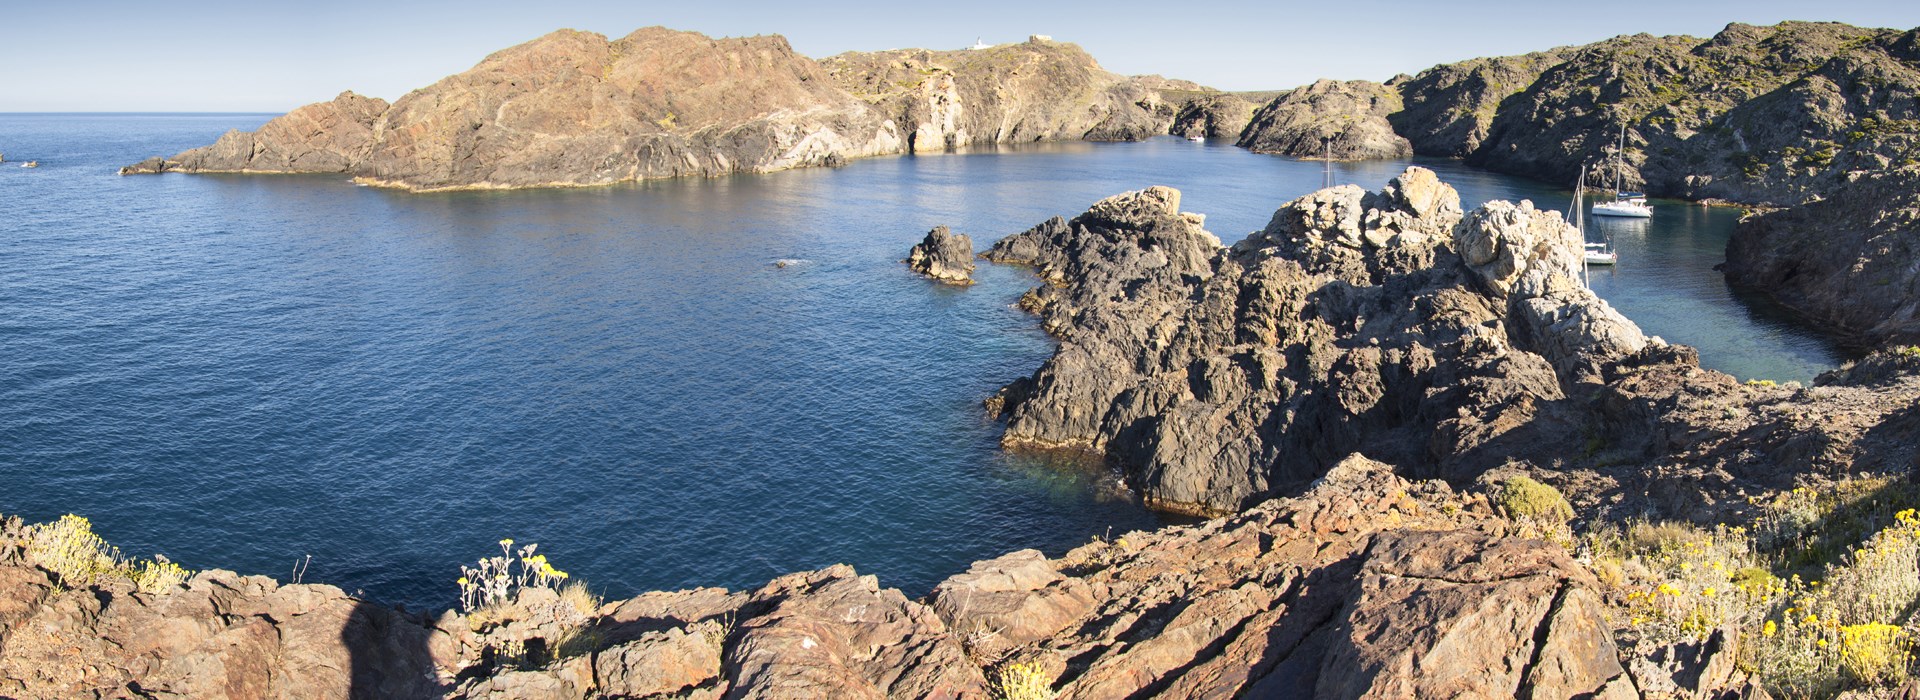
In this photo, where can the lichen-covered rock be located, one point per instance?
(943, 255)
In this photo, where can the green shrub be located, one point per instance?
(1522, 498)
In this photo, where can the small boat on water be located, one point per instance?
(1197, 139)
(30, 164)
(1592, 253)
(1627, 204)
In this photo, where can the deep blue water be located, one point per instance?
(239, 371)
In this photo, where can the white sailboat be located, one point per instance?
(1627, 204)
(1593, 253)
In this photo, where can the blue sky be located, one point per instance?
(219, 55)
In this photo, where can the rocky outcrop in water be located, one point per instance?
(573, 108)
(943, 255)
(1348, 118)
(1849, 263)
(1217, 376)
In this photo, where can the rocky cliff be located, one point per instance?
(574, 108)
(1849, 263)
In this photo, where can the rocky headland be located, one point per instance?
(944, 256)
(576, 109)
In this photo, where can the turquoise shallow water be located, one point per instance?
(240, 371)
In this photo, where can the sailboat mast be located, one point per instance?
(1327, 156)
(1619, 158)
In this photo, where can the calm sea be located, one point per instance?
(242, 371)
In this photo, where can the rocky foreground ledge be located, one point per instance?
(1367, 585)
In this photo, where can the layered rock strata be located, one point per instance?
(1849, 263)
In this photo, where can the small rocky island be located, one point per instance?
(944, 256)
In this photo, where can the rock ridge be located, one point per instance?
(574, 108)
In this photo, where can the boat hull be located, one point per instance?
(1636, 213)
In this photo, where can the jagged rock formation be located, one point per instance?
(1038, 90)
(1352, 115)
(573, 108)
(943, 255)
(1850, 263)
(1216, 377)
(1366, 586)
